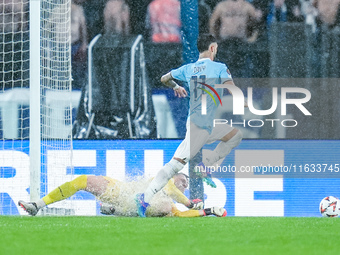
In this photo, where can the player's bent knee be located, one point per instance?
(182, 161)
(235, 134)
(236, 139)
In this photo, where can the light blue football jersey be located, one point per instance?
(199, 76)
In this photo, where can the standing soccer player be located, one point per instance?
(202, 76)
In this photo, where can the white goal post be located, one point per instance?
(35, 97)
(35, 100)
(49, 115)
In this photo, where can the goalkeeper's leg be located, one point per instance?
(64, 191)
(93, 184)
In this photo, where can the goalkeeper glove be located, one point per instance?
(196, 204)
(217, 211)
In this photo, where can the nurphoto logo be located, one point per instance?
(239, 101)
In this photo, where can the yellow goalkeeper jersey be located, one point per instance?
(121, 195)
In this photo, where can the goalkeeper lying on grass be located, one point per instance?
(118, 197)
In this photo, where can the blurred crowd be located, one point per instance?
(159, 21)
(233, 22)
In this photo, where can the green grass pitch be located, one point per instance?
(209, 235)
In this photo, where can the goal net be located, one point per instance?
(35, 100)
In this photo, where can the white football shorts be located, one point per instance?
(196, 138)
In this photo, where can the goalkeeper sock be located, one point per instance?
(162, 178)
(223, 149)
(65, 190)
(188, 213)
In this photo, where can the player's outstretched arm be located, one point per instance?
(216, 211)
(172, 191)
(168, 81)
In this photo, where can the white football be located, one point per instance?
(330, 207)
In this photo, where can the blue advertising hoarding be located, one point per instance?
(259, 178)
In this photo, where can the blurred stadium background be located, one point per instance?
(65, 112)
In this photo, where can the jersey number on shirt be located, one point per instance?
(197, 80)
